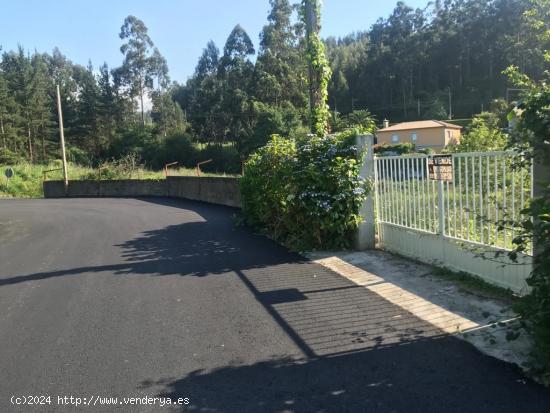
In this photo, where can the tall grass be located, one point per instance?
(27, 179)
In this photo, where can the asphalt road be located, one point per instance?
(166, 298)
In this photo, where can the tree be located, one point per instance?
(140, 59)
(88, 112)
(279, 70)
(106, 104)
(235, 72)
(238, 47)
(7, 111)
(404, 61)
(208, 62)
(483, 134)
(167, 114)
(201, 97)
(26, 77)
(40, 101)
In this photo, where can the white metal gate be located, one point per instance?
(456, 223)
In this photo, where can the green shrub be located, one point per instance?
(176, 147)
(225, 158)
(123, 168)
(78, 156)
(8, 157)
(305, 193)
(270, 120)
(531, 133)
(483, 134)
(397, 148)
(362, 120)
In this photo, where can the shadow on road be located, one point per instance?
(210, 246)
(360, 352)
(434, 375)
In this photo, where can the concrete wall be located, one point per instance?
(457, 256)
(223, 191)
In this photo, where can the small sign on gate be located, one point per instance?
(440, 168)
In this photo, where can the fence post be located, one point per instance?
(365, 236)
(441, 207)
(541, 181)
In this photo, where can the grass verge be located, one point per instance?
(476, 285)
(27, 179)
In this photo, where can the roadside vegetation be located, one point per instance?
(241, 94)
(306, 192)
(530, 135)
(27, 178)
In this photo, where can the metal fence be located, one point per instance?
(479, 204)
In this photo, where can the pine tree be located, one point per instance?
(88, 112)
(106, 104)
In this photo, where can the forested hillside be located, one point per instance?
(403, 67)
(407, 65)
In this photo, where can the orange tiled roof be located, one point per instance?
(420, 124)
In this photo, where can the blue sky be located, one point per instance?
(180, 28)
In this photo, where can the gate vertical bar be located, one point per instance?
(441, 207)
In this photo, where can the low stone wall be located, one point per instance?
(223, 191)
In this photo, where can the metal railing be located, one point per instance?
(46, 172)
(168, 165)
(486, 189)
(198, 167)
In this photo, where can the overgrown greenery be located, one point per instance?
(486, 132)
(305, 192)
(27, 179)
(239, 96)
(319, 69)
(531, 134)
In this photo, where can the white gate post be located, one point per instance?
(541, 181)
(441, 207)
(365, 237)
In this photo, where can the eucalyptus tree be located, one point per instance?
(235, 71)
(280, 67)
(201, 96)
(208, 61)
(141, 60)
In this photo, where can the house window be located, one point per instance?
(414, 137)
(395, 138)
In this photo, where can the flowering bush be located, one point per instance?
(305, 193)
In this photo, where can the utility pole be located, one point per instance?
(418, 107)
(62, 138)
(450, 105)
